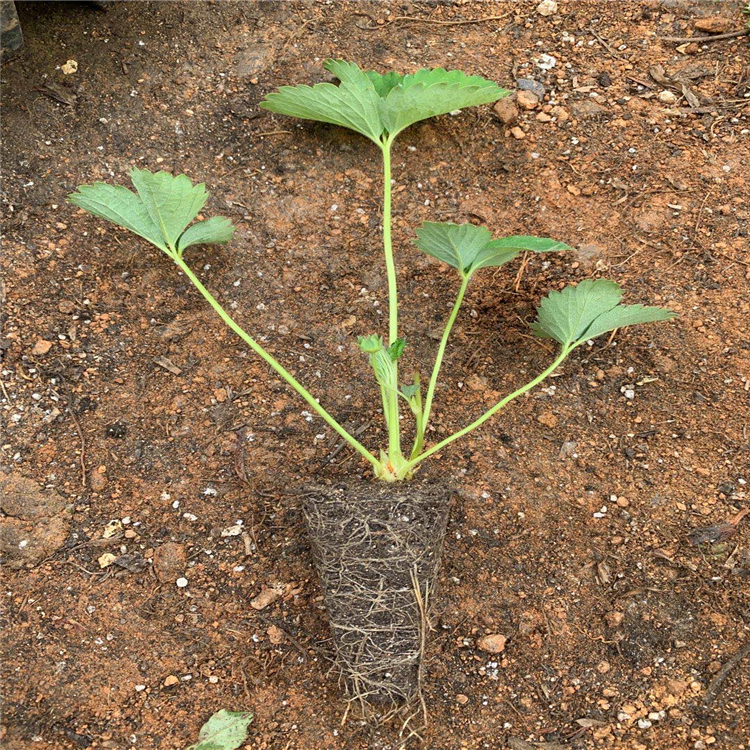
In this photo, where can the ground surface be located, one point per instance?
(616, 624)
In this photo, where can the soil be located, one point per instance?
(599, 521)
(377, 550)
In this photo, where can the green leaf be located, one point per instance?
(396, 349)
(429, 93)
(384, 82)
(160, 211)
(580, 312)
(383, 367)
(469, 248)
(354, 104)
(565, 316)
(627, 315)
(216, 230)
(409, 391)
(370, 344)
(172, 202)
(121, 206)
(225, 730)
(455, 244)
(499, 252)
(373, 103)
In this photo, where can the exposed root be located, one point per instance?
(377, 550)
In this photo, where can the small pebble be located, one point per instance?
(493, 643)
(181, 583)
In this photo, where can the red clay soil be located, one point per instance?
(599, 523)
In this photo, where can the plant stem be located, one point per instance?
(394, 426)
(538, 379)
(280, 369)
(388, 247)
(439, 357)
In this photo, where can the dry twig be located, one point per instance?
(701, 39)
(721, 675)
(416, 19)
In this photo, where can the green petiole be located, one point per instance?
(392, 414)
(275, 364)
(490, 412)
(439, 360)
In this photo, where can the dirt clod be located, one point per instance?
(547, 418)
(527, 100)
(587, 109)
(36, 522)
(506, 111)
(492, 644)
(714, 25)
(41, 347)
(170, 560)
(275, 634)
(266, 597)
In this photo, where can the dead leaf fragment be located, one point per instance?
(112, 528)
(174, 331)
(57, 93)
(718, 533)
(69, 68)
(106, 560)
(168, 365)
(590, 723)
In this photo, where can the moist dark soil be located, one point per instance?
(599, 524)
(377, 550)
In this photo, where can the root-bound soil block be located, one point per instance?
(377, 551)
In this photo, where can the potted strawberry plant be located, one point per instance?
(377, 544)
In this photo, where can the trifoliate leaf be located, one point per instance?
(217, 230)
(354, 104)
(455, 244)
(435, 92)
(225, 730)
(172, 202)
(120, 206)
(373, 104)
(580, 312)
(469, 248)
(160, 211)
